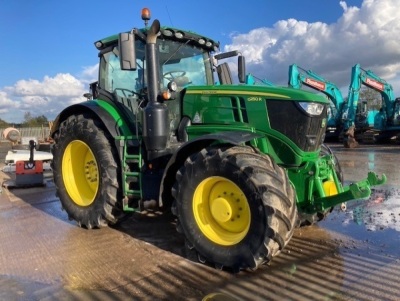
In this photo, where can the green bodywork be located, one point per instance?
(116, 116)
(271, 114)
(220, 108)
(215, 109)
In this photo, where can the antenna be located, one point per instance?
(172, 24)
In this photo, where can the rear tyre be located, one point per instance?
(86, 172)
(306, 219)
(236, 208)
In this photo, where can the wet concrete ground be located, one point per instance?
(352, 255)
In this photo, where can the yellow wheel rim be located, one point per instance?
(80, 173)
(221, 211)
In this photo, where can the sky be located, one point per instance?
(48, 58)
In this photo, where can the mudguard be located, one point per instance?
(113, 118)
(193, 146)
(110, 120)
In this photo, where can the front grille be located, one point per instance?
(289, 119)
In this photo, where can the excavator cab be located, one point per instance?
(396, 112)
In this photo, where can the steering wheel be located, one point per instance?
(171, 75)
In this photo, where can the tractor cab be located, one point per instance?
(139, 67)
(180, 65)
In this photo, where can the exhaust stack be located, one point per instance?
(155, 119)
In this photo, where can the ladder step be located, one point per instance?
(135, 193)
(132, 173)
(132, 161)
(131, 179)
(132, 156)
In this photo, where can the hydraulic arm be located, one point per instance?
(360, 77)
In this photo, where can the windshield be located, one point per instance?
(183, 63)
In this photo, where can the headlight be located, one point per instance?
(312, 108)
(178, 35)
(172, 86)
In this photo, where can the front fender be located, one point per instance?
(112, 118)
(193, 146)
(108, 114)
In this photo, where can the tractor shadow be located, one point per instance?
(156, 228)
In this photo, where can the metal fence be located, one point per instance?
(40, 133)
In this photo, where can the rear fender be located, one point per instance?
(112, 121)
(193, 146)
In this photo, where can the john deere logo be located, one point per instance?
(323, 123)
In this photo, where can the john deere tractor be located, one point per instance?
(239, 165)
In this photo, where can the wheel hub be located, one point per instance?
(221, 211)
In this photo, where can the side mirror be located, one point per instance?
(127, 54)
(225, 55)
(241, 69)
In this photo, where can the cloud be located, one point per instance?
(45, 97)
(48, 96)
(61, 85)
(89, 74)
(6, 104)
(365, 35)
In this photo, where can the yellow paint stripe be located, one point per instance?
(232, 92)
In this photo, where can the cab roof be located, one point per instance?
(169, 33)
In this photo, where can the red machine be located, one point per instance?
(29, 173)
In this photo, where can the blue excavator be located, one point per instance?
(251, 79)
(386, 124)
(351, 119)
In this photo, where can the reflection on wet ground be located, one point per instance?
(369, 248)
(378, 217)
(380, 212)
(380, 159)
(352, 255)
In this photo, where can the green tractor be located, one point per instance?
(240, 166)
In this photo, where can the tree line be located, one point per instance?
(29, 121)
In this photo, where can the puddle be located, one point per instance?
(375, 221)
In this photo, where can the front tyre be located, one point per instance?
(236, 208)
(86, 172)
